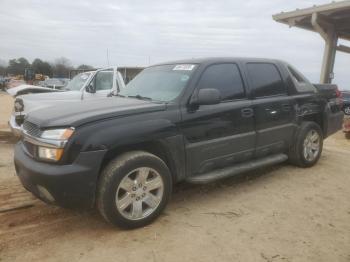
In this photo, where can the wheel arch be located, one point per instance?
(316, 118)
(169, 150)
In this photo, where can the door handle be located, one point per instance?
(247, 112)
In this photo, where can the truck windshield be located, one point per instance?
(78, 81)
(160, 83)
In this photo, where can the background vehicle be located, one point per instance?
(346, 102)
(85, 86)
(346, 126)
(195, 120)
(54, 83)
(3, 83)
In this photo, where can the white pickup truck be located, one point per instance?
(84, 86)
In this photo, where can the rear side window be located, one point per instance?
(296, 76)
(224, 77)
(300, 82)
(265, 79)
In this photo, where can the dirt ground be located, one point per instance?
(6, 105)
(282, 213)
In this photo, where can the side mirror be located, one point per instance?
(208, 96)
(90, 88)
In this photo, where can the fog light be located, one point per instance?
(44, 193)
(47, 153)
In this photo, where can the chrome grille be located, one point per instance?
(31, 129)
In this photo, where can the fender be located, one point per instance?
(111, 135)
(114, 134)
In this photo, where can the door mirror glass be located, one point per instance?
(208, 96)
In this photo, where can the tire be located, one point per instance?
(301, 154)
(346, 110)
(122, 190)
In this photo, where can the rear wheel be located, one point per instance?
(307, 148)
(133, 190)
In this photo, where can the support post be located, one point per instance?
(331, 41)
(328, 59)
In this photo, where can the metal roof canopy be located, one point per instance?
(331, 21)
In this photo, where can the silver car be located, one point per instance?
(84, 86)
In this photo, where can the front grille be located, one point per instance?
(32, 129)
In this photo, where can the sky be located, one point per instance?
(141, 33)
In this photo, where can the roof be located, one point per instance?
(336, 13)
(209, 60)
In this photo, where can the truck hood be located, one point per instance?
(39, 101)
(53, 96)
(29, 89)
(76, 114)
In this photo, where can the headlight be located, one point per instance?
(19, 106)
(47, 153)
(55, 140)
(58, 134)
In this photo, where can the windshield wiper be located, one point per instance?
(141, 97)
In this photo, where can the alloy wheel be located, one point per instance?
(139, 193)
(311, 145)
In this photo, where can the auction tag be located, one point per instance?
(187, 67)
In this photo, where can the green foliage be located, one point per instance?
(85, 67)
(41, 67)
(17, 66)
(61, 67)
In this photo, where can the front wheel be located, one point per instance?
(133, 189)
(307, 148)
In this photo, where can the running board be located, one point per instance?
(237, 169)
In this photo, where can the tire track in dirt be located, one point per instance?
(36, 218)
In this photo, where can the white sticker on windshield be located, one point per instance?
(184, 67)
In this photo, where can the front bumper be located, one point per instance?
(72, 185)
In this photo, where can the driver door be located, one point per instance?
(219, 135)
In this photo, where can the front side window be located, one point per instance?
(224, 77)
(103, 80)
(265, 79)
(160, 83)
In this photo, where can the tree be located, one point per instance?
(61, 67)
(41, 67)
(85, 67)
(17, 66)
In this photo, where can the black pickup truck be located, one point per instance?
(196, 120)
